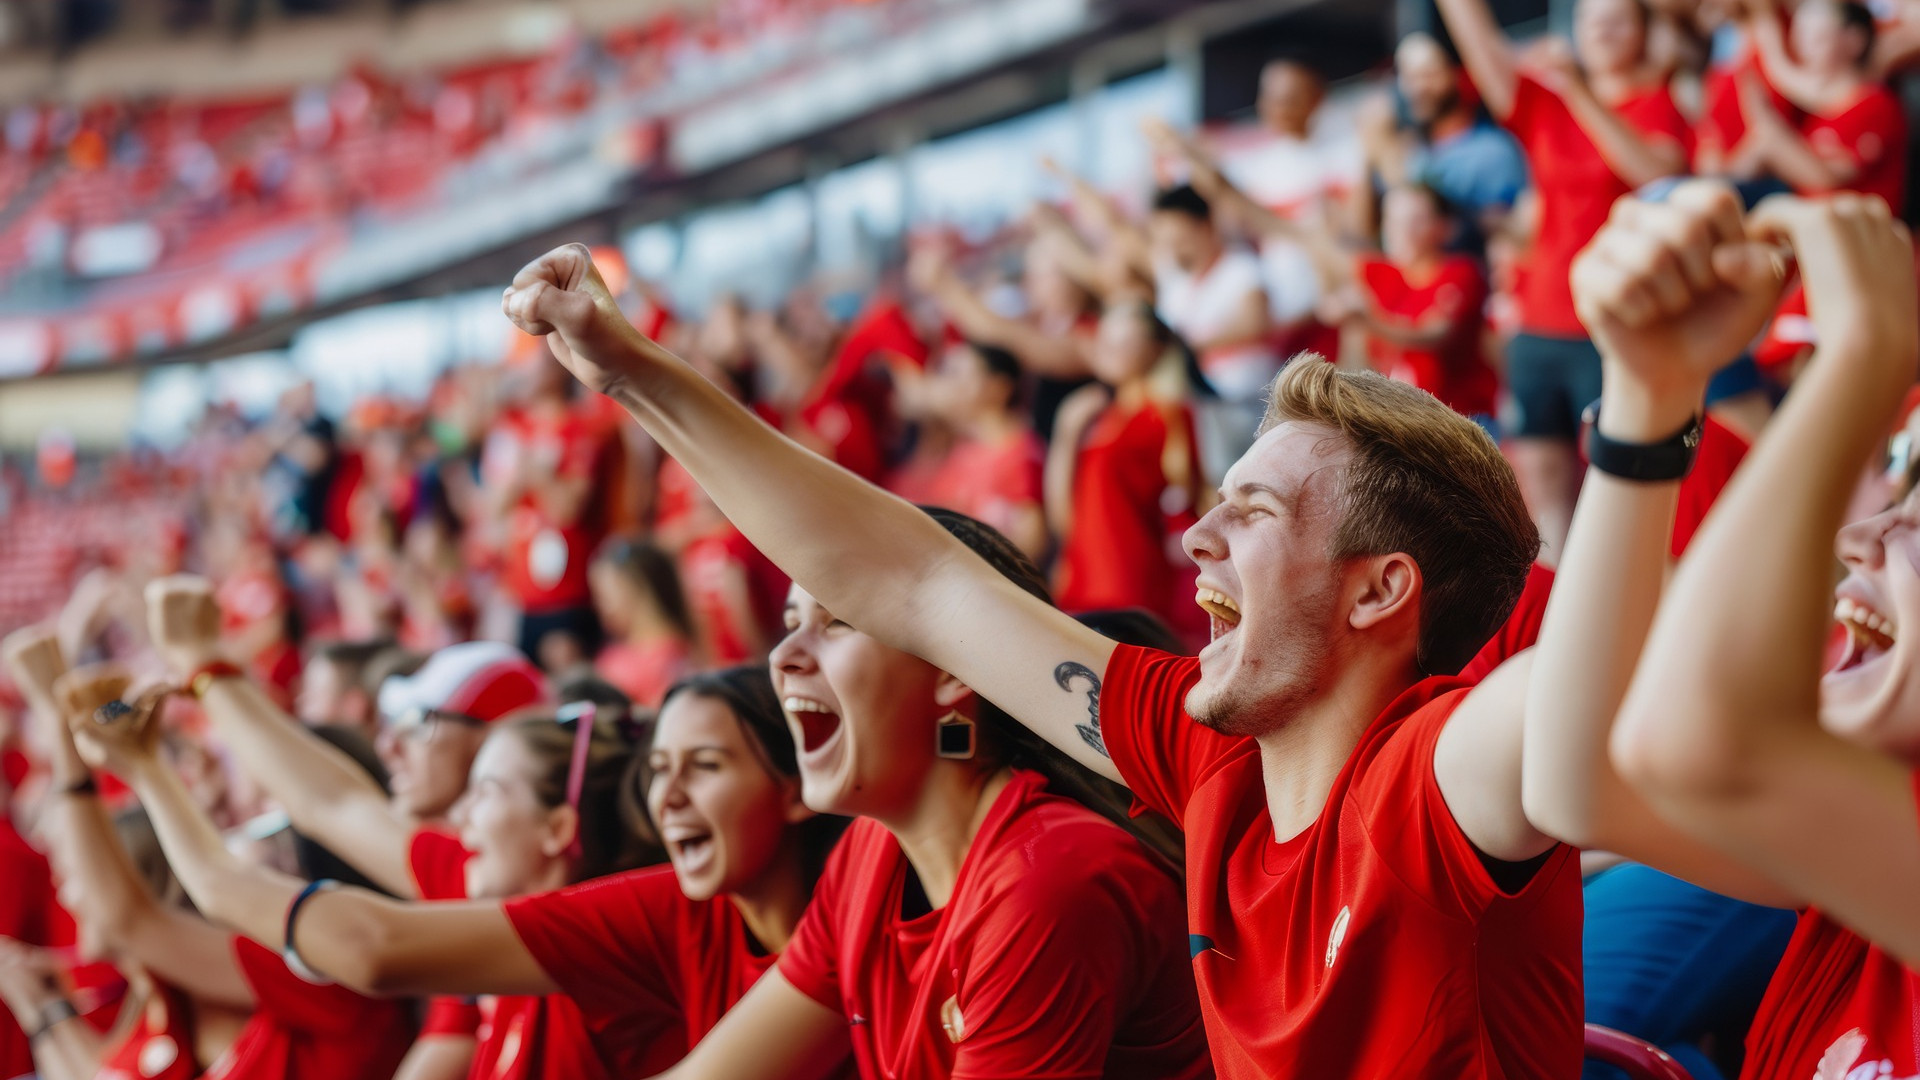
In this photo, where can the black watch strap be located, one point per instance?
(1667, 460)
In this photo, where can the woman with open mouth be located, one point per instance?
(978, 919)
(615, 976)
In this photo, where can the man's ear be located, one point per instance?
(1390, 589)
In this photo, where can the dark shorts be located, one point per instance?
(581, 622)
(1552, 380)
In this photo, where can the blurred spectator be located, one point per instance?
(1295, 168)
(1596, 119)
(1431, 129)
(1123, 477)
(542, 464)
(299, 480)
(637, 592)
(992, 472)
(333, 685)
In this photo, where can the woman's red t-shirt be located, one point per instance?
(1455, 371)
(1577, 190)
(1062, 953)
(157, 1048)
(1870, 136)
(303, 1031)
(991, 482)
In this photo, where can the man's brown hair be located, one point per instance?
(1425, 481)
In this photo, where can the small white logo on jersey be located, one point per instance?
(1339, 935)
(1842, 1061)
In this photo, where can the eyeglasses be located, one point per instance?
(581, 715)
(418, 724)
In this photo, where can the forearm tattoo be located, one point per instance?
(1090, 731)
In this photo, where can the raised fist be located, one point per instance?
(1673, 291)
(183, 621)
(560, 296)
(1856, 263)
(32, 655)
(109, 730)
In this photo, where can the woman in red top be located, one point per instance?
(297, 1031)
(637, 592)
(613, 977)
(1851, 134)
(993, 471)
(1421, 307)
(1595, 122)
(1123, 477)
(977, 921)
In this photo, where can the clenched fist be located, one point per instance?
(1673, 291)
(32, 655)
(560, 296)
(109, 730)
(183, 621)
(1856, 260)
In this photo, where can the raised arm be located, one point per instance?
(65, 1047)
(1632, 155)
(357, 938)
(1669, 291)
(1806, 89)
(173, 944)
(873, 559)
(1721, 727)
(1485, 51)
(327, 795)
(1058, 355)
(1117, 233)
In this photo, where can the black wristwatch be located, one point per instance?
(1658, 462)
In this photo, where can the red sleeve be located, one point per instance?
(1162, 754)
(1656, 116)
(439, 864)
(451, 1017)
(1720, 453)
(611, 944)
(811, 960)
(1519, 632)
(1047, 972)
(1534, 106)
(1407, 820)
(292, 1001)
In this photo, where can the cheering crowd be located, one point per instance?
(771, 695)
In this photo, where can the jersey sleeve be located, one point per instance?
(1409, 824)
(611, 944)
(439, 864)
(1161, 753)
(293, 1001)
(811, 960)
(1533, 107)
(450, 1017)
(1043, 979)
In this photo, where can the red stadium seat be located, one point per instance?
(1639, 1059)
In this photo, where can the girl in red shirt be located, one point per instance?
(615, 976)
(1851, 132)
(993, 471)
(976, 921)
(1596, 121)
(1123, 478)
(637, 592)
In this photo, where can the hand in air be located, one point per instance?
(32, 655)
(1672, 291)
(112, 727)
(1856, 260)
(560, 296)
(183, 621)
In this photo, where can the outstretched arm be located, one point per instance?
(873, 559)
(1669, 292)
(327, 795)
(175, 945)
(357, 938)
(1721, 728)
(1057, 355)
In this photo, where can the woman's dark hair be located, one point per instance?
(1858, 18)
(1001, 364)
(615, 833)
(316, 861)
(1008, 740)
(1133, 626)
(1183, 199)
(747, 692)
(652, 570)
